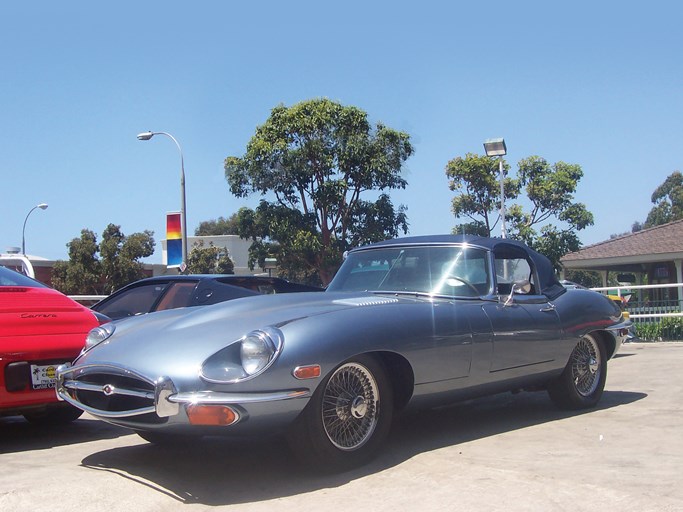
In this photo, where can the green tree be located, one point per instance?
(476, 181)
(668, 201)
(550, 190)
(209, 260)
(219, 226)
(586, 278)
(99, 269)
(318, 159)
(549, 226)
(81, 274)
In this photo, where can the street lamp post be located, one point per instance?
(496, 147)
(42, 206)
(183, 219)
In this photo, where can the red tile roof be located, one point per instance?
(666, 238)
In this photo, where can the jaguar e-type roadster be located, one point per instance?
(413, 322)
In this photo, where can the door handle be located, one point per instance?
(549, 308)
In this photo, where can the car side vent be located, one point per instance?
(365, 301)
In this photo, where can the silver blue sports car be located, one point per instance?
(412, 322)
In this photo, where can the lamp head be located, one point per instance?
(145, 135)
(495, 147)
(42, 206)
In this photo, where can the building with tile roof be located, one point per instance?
(655, 252)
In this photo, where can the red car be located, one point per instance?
(40, 328)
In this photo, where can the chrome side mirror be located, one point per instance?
(522, 287)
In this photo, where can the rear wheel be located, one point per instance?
(54, 416)
(347, 418)
(583, 380)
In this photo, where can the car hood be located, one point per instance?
(179, 341)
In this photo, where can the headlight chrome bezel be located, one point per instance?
(231, 360)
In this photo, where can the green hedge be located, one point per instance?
(666, 329)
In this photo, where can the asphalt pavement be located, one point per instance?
(504, 453)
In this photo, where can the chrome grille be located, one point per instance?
(110, 391)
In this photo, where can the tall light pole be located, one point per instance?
(496, 147)
(42, 206)
(183, 219)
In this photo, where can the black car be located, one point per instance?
(180, 291)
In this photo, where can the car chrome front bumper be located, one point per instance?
(120, 386)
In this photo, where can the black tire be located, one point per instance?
(54, 416)
(166, 439)
(347, 419)
(583, 380)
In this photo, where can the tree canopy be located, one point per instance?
(320, 160)
(99, 269)
(209, 260)
(551, 222)
(668, 201)
(219, 226)
(476, 181)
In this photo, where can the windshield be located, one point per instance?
(452, 270)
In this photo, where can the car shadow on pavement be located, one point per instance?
(216, 471)
(18, 435)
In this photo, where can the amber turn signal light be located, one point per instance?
(217, 415)
(307, 372)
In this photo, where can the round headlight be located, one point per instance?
(244, 358)
(98, 335)
(256, 351)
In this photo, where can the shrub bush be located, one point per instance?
(666, 329)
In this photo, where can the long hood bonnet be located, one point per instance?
(179, 341)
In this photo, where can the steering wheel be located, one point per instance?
(465, 282)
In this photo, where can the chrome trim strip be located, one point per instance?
(106, 414)
(120, 370)
(215, 398)
(625, 324)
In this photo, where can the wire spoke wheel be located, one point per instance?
(350, 406)
(582, 382)
(586, 366)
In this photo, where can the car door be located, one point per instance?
(526, 332)
(526, 326)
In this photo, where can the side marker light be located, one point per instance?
(311, 371)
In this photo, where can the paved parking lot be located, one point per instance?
(510, 452)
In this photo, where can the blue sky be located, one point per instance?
(598, 84)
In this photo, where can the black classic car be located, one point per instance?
(406, 323)
(181, 291)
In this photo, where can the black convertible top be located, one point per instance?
(549, 284)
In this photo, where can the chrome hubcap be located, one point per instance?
(593, 366)
(350, 408)
(359, 407)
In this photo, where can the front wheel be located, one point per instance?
(582, 382)
(347, 418)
